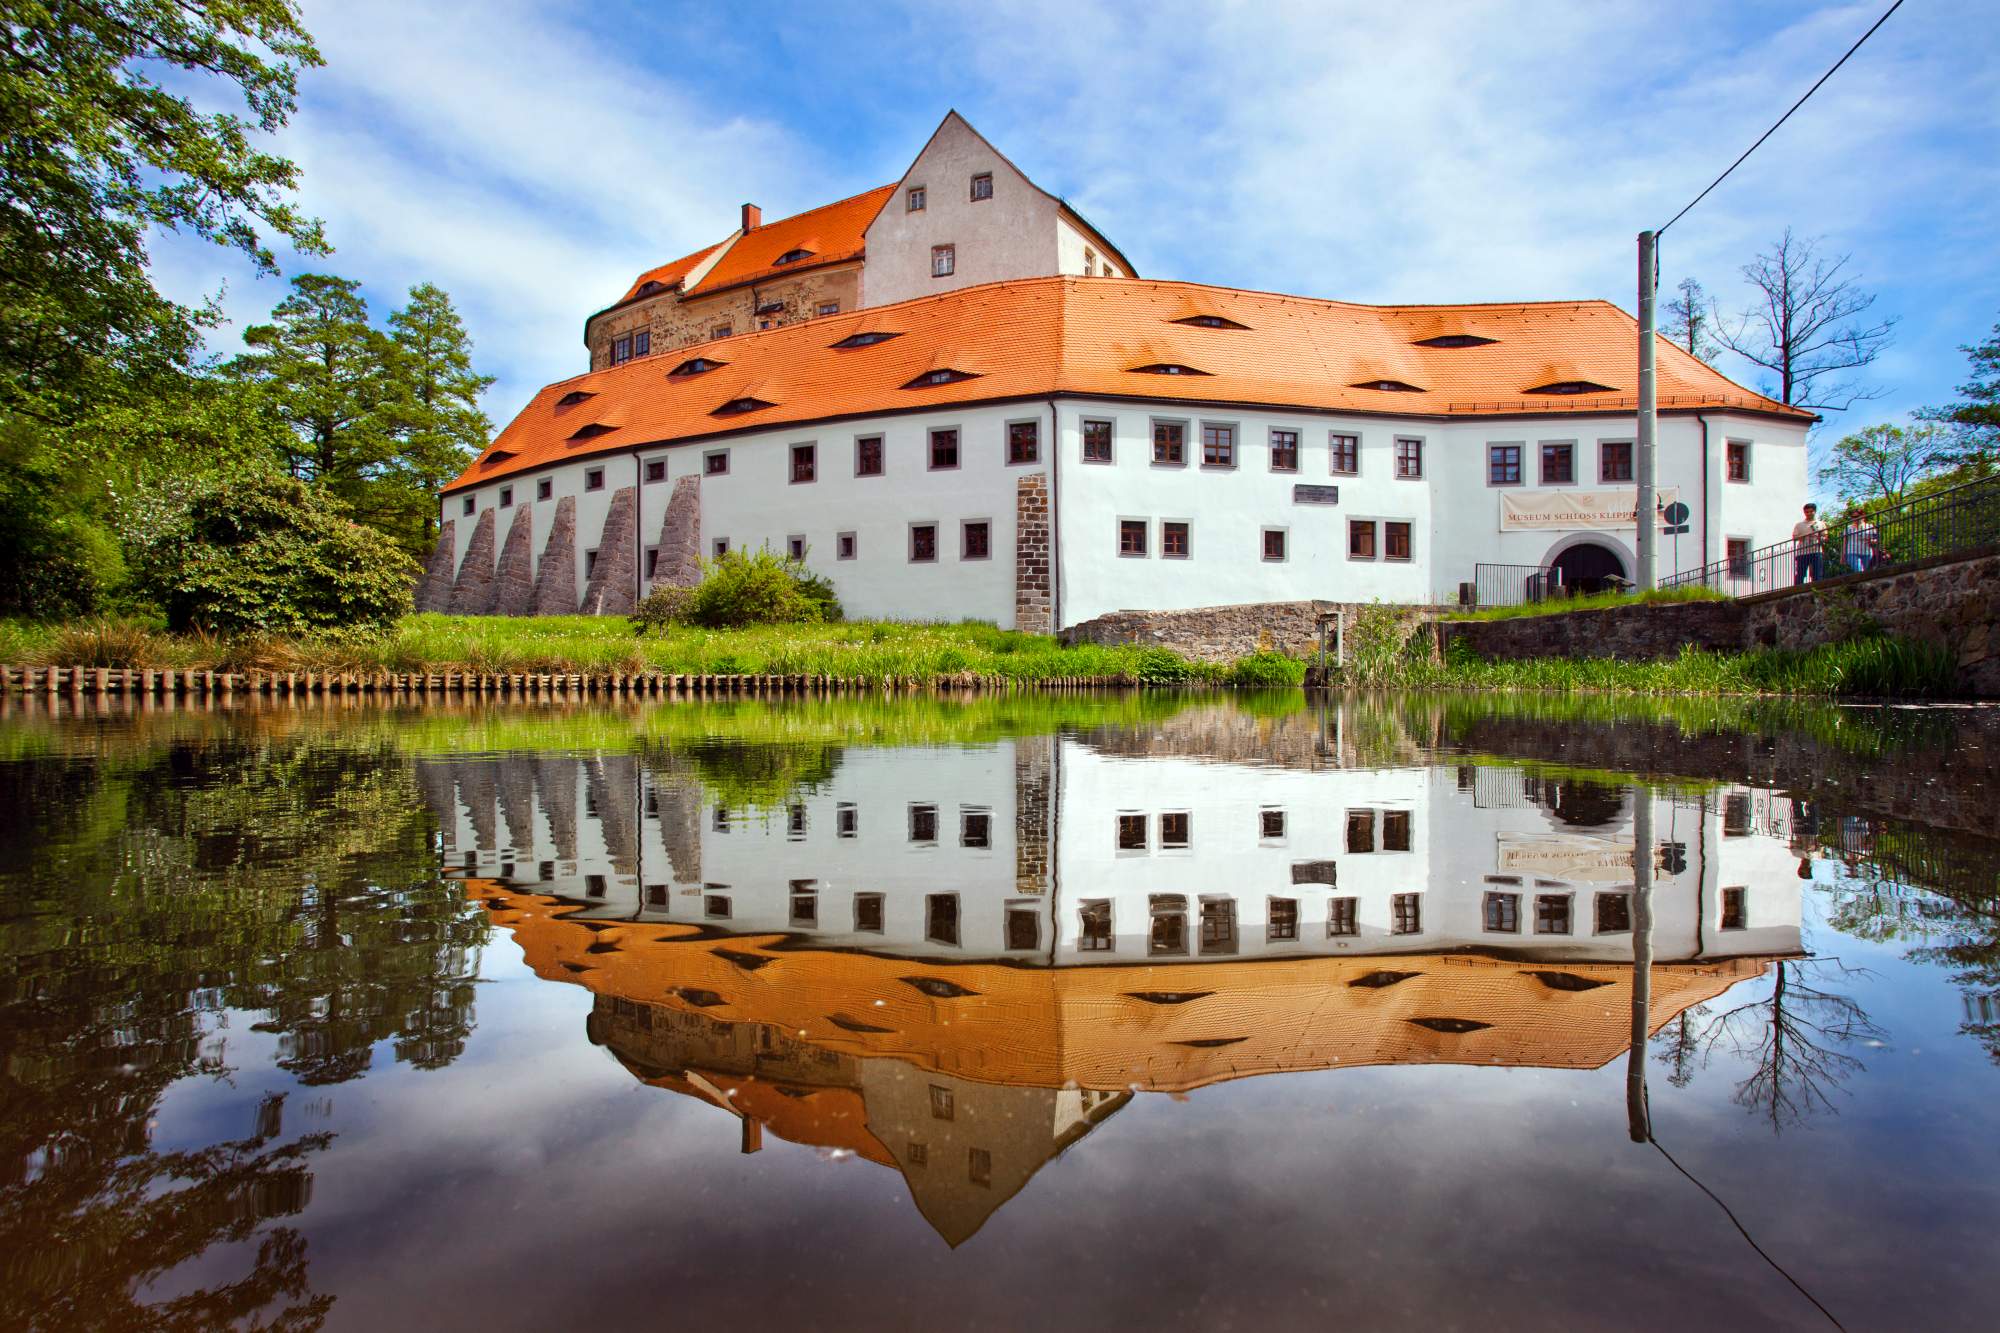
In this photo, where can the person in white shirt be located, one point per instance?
(1808, 543)
(1862, 545)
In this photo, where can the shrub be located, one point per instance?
(106, 643)
(270, 553)
(759, 587)
(662, 608)
(1161, 666)
(1266, 668)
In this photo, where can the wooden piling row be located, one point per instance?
(130, 682)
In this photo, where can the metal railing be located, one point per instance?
(1958, 519)
(1511, 585)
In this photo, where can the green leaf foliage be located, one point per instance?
(759, 587)
(273, 554)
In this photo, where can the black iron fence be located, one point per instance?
(1511, 585)
(1958, 519)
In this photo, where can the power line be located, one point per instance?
(1782, 119)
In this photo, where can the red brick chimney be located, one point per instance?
(753, 217)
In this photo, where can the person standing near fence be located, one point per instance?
(1862, 545)
(1808, 539)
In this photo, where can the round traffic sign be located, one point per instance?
(1677, 514)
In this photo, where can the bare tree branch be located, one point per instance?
(1808, 327)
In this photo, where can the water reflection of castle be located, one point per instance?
(957, 961)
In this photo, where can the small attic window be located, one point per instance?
(648, 288)
(942, 376)
(591, 431)
(738, 406)
(867, 339)
(792, 257)
(1455, 340)
(694, 365)
(497, 457)
(771, 308)
(1570, 387)
(1211, 322)
(1386, 386)
(573, 397)
(1166, 368)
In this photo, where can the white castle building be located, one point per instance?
(956, 399)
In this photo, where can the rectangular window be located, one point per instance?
(846, 820)
(1218, 925)
(1169, 932)
(1218, 446)
(715, 906)
(1271, 825)
(642, 344)
(471, 503)
(844, 546)
(982, 186)
(1395, 541)
(1343, 916)
(1360, 830)
(1409, 458)
(1503, 912)
(1274, 543)
(1089, 261)
(1344, 454)
(1094, 926)
(1503, 465)
(1131, 536)
(805, 462)
(656, 469)
(652, 561)
(721, 331)
(1614, 460)
(795, 546)
(589, 563)
(941, 1103)
(1737, 460)
(1174, 540)
(1131, 833)
(975, 829)
(656, 895)
(596, 886)
(923, 543)
(923, 823)
(1614, 913)
(1736, 815)
(1735, 912)
(868, 912)
(1360, 539)
(868, 456)
(913, 199)
(979, 1166)
(1395, 830)
(944, 261)
(1024, 441)
(593, 480)
(1552, 914)
(1406, 913)
(976, 540)
(941, 918)
(715, 463)
(805, 909)
(544, 489)
(1281, 919)
(1024, 928)
(944, 449)
(621, 350)
(506, 497)
(1097, 442)
(828, 308)
(1558, 464)
(719, 547)
(1170, 442)
(1284, 451)
(1738, 551)
(1175, 829)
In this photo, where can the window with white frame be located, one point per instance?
(1344, 454)
(944, 261)
(1284, 450)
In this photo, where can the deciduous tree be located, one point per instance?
(1809, 327)
(1691, 321)
(1882, 462)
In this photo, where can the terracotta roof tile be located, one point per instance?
(668, 275)
(1040, 336)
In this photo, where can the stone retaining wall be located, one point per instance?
(1225, 633)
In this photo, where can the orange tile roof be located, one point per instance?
(832, 232)
(1036, 337)
(668, 275)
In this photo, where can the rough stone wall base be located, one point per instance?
(434, 591)
(609, 591)
(555, 580)
(472, 591)
(679, 562)
(1225, 633)
(514, 581)
(1032, 571)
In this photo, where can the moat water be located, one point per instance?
(1131, 1011)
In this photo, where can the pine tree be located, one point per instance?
(436, 407)
(1690, 317)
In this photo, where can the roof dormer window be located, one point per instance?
(1570, 387)
(943, 375)
(1455, 340)
(590, 431)
(1166, 368)
(867, 338)
(648, 288)
(1386, 386)
(573, 397)
(1211, 322)
(792, 257)
(771, 308)
(694, 365)
(736, 407)
(497, 457)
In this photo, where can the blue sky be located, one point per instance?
(532, 156)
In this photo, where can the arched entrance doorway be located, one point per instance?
(1589, 567)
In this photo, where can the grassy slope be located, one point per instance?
(1603, 601)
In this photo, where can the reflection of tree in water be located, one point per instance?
(1792, 1040)
(143, 894)
(1678, 1046)
(758, 775)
